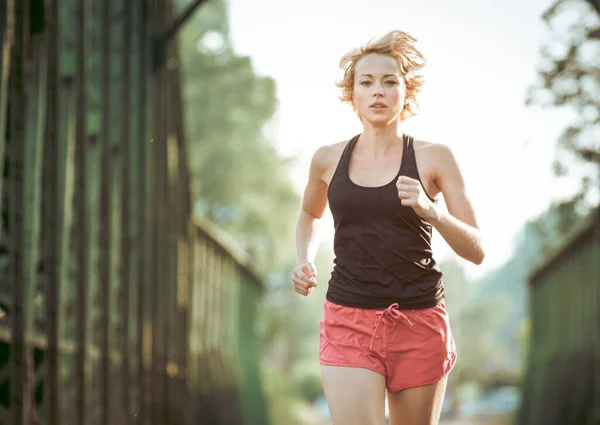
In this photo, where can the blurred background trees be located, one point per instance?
(243, 185)
(569, 79)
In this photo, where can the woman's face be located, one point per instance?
(379, 89)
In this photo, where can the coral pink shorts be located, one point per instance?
(410, 348)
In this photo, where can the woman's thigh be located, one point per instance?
(355, 396)
(418, 405)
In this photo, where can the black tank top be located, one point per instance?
(382, 249)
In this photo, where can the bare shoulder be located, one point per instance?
(325, 155)
(436, 165)
(433, 150)
(435, 158)
(326, 158)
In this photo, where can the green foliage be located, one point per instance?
(311, 387)
(558, 221)
(283, 397)
(238, 179)
(292, 336)
(240, 183)
(570, 76)
(481, 352)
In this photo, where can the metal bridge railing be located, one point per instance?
(562, 383)
(116, 305)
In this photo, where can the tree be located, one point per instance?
(570, 77)
(238, 180)
(240, 183)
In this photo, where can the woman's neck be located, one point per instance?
(378, 140)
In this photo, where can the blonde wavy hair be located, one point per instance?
(398, 45)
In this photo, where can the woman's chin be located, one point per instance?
(380, 120)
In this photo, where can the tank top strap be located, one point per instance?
(345, 159)
(408, 162)
(409, 159)
(349, 147)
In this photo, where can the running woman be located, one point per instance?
(385, 328)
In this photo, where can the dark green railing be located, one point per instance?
(562, 384)
(117, 306)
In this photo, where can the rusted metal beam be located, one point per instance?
(81, 246)
(126, 194)
(52, 220)
(137, 356)
(20, 403)
(7, 39)
(104, 242)
(161, 39)
(181, 19)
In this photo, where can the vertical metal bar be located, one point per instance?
(158, 268)
(65, 168)
(205, 385)
(153, 281)
(596, 316)
(184, 192)
(182, 305)
(20, 400)
(184, 302)
(34, 145)
(208, 296)
(138, 170)
(115, 174)
(169, 225)
(66, 164)
(52, 219)
(215, 298)
(159, 154)
(185, 320)
(211, 308)
(4, 10)
(183, 195)
(126, 193)
(104, 298)
(160, 248)
(233, 315)
(8, 34)
(136, 215)
(204, 293)
(145, 284)
(186, 274)
(223, 313)
(93, 177)
(224, 290)
(81, 229)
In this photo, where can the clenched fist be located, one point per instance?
(412, 194)
(304, 278)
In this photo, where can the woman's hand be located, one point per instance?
(305, 278)
(412, 194)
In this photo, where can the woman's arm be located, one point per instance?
(314, 203)
(458, 226)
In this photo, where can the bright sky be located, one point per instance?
(481, 57)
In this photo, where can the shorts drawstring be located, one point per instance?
(388, 316)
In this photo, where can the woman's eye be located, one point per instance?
(391, 82)
(365, 83)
